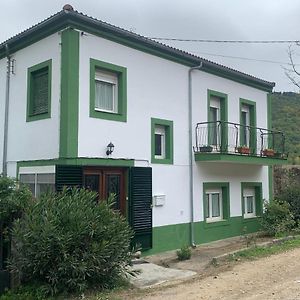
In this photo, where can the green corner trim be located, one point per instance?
(44, 65)
(239, 159)
(77, 161)
(121, 73)
(69, 104)
(169, 142)
(270, 170)
(258, 199)
(252, 112)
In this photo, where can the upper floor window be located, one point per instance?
(161, 141)
(39, 91)
(108, 91)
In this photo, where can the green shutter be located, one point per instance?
(140, 206)
(40, 92)
(69, 176)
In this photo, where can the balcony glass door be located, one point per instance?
(214, 125)
(245, 129)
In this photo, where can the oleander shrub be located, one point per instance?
(14, 199)
(277, 218)
(67, 242)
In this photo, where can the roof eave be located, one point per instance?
(79, 21)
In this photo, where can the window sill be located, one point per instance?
(210, 224)
(37, 117)
(166, 161)
(250, 219)
(106, 111)
(107, 115)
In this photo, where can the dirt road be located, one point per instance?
(274, 277)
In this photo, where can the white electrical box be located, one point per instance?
(159, 200)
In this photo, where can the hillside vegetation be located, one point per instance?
(286, 118)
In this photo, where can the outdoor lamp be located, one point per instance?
(110, 148)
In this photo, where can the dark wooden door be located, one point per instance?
(107, 182)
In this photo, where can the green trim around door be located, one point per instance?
(46, 65)
(168, 125)
(69, 104)
(258, 198)
(252, 115)
(121, 74)
(79, 161)
(223, 115)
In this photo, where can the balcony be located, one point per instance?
(236, 143)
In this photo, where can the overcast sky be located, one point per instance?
(189, 19)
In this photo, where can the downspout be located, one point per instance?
(5, 137)
(191, 187)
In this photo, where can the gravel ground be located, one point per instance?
(274, 277)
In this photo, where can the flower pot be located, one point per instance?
(268, 152)
(243, 150)
(206, 149)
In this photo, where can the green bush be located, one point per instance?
(184, 253)
(291, 195)
(277, 218)
(13, 199)
(67, 242)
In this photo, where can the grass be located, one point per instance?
(257, 252)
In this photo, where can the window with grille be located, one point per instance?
(39, 91)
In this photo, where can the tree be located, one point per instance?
(292, 71)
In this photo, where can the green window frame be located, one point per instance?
(39, 93)
(252, 114)
(225, 205)
(167, 127)
(223, 117)
(257, 186)
(120, 114)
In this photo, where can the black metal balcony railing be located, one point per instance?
(233, 138)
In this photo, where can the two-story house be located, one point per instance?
(184, 143)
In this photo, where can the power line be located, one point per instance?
(228, 41)
(244, 58)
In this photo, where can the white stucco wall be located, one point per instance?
(159, 88)
(37, 139)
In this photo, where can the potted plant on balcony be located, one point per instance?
(243, 149)
(268, 152)
(206, 148)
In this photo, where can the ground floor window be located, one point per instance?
(39, 183)
(249, 202)
(216, 201)
(213, 211)
(251, 199)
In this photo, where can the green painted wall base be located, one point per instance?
(172, 237)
